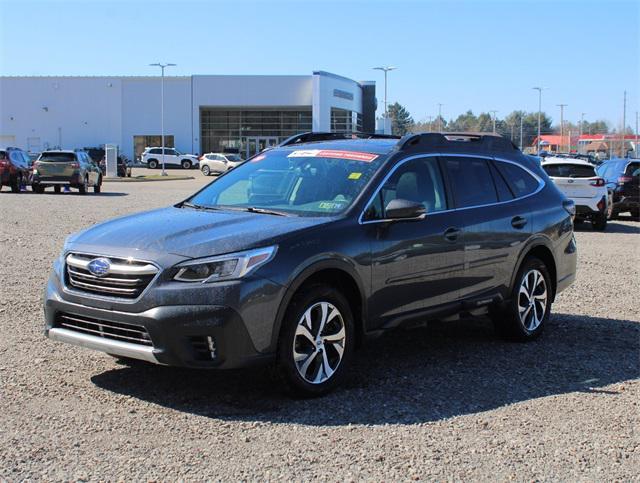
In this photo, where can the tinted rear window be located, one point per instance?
(570, 171)
(519, 180)
(57, 157)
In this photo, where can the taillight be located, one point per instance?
(4, 163)
(624, 179)
(601, 204)
(597, 182)
(75, 165)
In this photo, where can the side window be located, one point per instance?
(15, 158)
(503, 190)
(471, 181)
(171, 152)
(154, 151)
(417, 180)
(520, 182)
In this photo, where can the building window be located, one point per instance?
(241, 130)
(142, 142)
(343, 120)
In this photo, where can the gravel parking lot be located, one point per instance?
(447, 402)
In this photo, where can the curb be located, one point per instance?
(143, 179)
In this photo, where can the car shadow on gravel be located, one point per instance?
(407, 377)
(612, 227)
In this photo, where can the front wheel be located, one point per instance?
(316, 342)
(186, 164)
(97, 188)
(524, 316)
(599, 222)
(36, 188)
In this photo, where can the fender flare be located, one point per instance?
(302, 274)
(531, 243)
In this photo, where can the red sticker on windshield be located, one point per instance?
(333, 153)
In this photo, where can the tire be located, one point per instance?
(205, 170)
(507, 319)
(599, 222)
(152, 164)
(84, 187)
(36, 188)
(15, 186)
(186, 164)
(57, 189)
(635, 214)
(98, 187)
(322, 360)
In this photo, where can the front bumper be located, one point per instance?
(187, 330)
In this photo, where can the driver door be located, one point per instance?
(416, 264)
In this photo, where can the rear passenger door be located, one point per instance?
(496, 223)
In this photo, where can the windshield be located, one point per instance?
(57, 157)
(303, 182)
(569, 170)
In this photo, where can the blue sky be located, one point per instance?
(465, 54)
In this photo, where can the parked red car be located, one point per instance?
(15, 168)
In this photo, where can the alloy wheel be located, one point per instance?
(532, 300)
(319, 342)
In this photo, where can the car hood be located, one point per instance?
(187, 232)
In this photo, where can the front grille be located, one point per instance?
(134, 334)
(123, 278)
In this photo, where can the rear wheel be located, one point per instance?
(37, 188)
(98, 186)
(152, 164)
(57, 189)
(599, 222)
(205, 170)
(186, 164)
(316, 341)
(15, 185)
(84, 187)
(524, 316)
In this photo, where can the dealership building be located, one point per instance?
(202, 113)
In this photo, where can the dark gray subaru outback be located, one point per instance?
(301, 253)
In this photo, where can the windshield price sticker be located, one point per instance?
(332, 153)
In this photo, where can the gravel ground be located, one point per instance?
(448, 402)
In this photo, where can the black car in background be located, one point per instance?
(304, 251)
(622, 177)
(15, 169)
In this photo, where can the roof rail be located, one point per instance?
(308, 137)
(448, 140)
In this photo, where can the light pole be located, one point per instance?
(562, 106)
(162, 67)
(539, 89)
(581, 131)
(431, 119)
(385, 69)
(440, 117)
(494, 120)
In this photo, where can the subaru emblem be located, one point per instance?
(99, 267)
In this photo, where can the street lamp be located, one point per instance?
(440, 117)
(162, 67)
(562, 106)
(539, 89)
(494, 120)
(385, 69)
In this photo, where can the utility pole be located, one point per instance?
(562, 106)
(430, 121)
(636, 146)
(624, 125)
(440, 117)
(539, 89)
(494, 120)
(581, 129)
(162, 67)
(521, 130)
(385, 69)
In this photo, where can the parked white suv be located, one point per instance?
(152, 157)
(579, 181)
(218, 162)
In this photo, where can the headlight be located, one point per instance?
(225, 267)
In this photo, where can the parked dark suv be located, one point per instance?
(15, 169)
(622, 178)
(305, 250)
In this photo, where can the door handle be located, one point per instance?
(518, 222)
(451, 234)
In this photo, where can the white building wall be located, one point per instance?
(67, 112)
(324, 98)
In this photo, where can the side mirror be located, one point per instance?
(404, 209)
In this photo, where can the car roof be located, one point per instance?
(69, 151)
(375, 146)
(577, 162)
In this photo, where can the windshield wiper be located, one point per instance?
(264, 211)
(188, 204)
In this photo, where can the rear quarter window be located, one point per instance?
(631, 169)
(520, 181)
(569, 171)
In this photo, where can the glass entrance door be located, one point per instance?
(258, 144)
